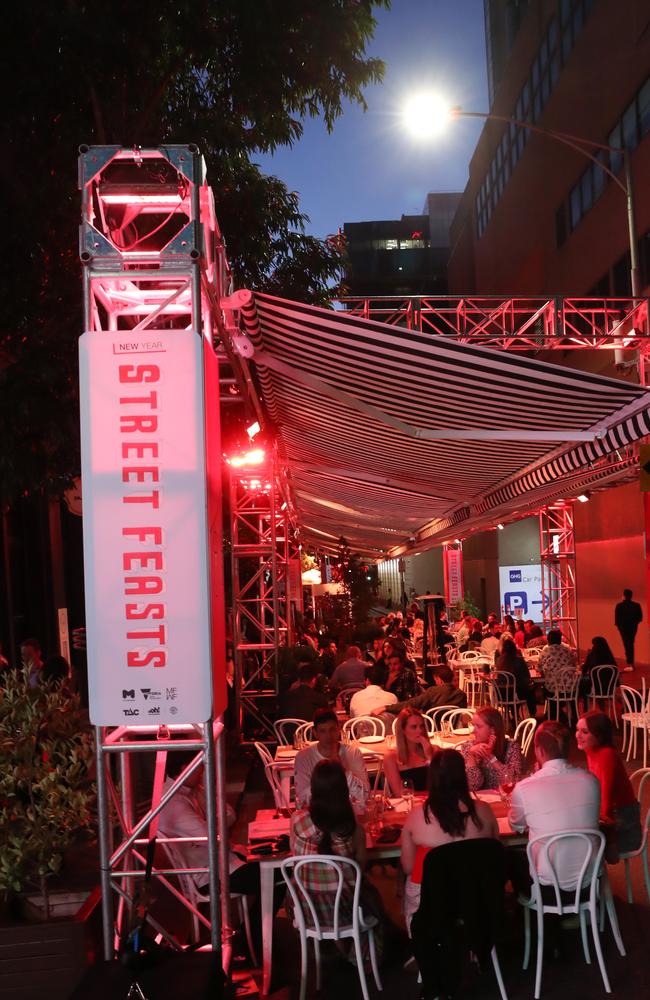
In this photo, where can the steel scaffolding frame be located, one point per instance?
(266, 588)
(153, 260)
(558, 558)
(518, 323)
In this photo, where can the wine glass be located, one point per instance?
(375, 814)
(407, 793)
(507, 785)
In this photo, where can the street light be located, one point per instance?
(427, 114)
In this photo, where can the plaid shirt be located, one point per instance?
(320, 881)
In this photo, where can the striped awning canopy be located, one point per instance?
(401, 440)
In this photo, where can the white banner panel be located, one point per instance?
(521, 591)
(453, 565)
(145, 527)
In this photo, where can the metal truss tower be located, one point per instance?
(266, 585)
(153, 261)
(558, 556)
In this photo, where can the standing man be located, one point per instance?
(627, 618)
(30, 654)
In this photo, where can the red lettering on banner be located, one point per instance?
(131, 449)
(139, 373)
(142, 560)
(157, 633)
(150, 400)
(151, 536)
(139, 473)
(151, 659)
(129, 425)
(138, 612)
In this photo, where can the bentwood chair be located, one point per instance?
(347, 918)
(635, 718)
(581, 898)
(642, 851)
(503, 696)
(603, 688)
(524, 734)
(436, 714)
(364, 725)
(285, 730)
(566, 692)
(272, 773)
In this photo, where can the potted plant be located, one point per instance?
(46, 801)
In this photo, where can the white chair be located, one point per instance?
(532, 654)
(469, 654)
(566, 692)
(503, 696)
(457, 721)
(474, 685)
(580, 899)
(364, 725)
(436, 714)
(304, 734)
(642, 851)
(524, 734)
(634, 718)
(309, 925)
(271, 769)
(603, 688)
(345, 696)
(285, 730)
(193, 897)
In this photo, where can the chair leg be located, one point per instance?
(497, 973)
(599, 951)
(526, 937)
(611, 913)
(646, 874)
(373, 959)
(584, 935)
(540, 952)
(247, 928)
(628, 881)
(303, 965)
(317, 959)
(360, 969)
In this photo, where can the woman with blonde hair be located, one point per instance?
(412, 754)
(490, 757)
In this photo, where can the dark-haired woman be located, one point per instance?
(449, 814)
(619, 809)
(509, 659)
(329, 826)
(600, 655)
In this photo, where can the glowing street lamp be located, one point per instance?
(426, 115)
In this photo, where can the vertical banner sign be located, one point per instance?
(214, 469)
(145, 527)
(521, 591)
(453, 569)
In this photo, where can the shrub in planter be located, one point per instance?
(46, 796)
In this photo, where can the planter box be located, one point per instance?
(46, 960)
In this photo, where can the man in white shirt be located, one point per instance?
(373, 695)
(328, 747)
(490, 644)
(555, 799)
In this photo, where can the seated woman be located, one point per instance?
(450, 813)
(509, 659)
(619, 809)
(412, 754)
(599, 655)
(489, 756)
(329, 826)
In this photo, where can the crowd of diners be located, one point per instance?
(380, 677)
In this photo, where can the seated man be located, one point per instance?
(328, 747)
(373, 695)
(351, 672)
(556, 660)
(490, 643)
(556, 798)
(443, 691)
(303, 699)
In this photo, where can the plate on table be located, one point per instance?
(371, 739)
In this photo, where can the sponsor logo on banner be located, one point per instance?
(171, 694)
(131, 712)
(154, 711)
(145, 525)
(526, 599)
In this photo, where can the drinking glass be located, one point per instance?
(506, 786)
(375, 814)
(408, 792)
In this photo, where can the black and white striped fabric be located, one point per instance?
(391, 434)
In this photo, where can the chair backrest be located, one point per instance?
(305, 876)
(304, 734)
(503, 688)
(469, 654)
(633, 701)
(264, 753)
(566, 684)
(435, 714)
(364, 725)
(524, 734)
(459, 721)
(643, 776)
(603, 680)
(428, 721)
(345, 696)
(545, 855)
(270, 770)
(533, 653)
(285, 730)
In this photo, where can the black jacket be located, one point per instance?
(461, 907)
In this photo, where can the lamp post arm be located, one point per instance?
(575, 142)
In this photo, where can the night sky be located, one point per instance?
(369, 168)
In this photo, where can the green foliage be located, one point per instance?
(46, 750)
(466, 604)
(350, 570)
(236, 77)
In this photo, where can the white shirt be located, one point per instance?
(352, 760)
(373, 696)
(557, 798)
(182, 817)
(489, 645)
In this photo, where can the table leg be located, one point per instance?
(266, 902)
(285, 783)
